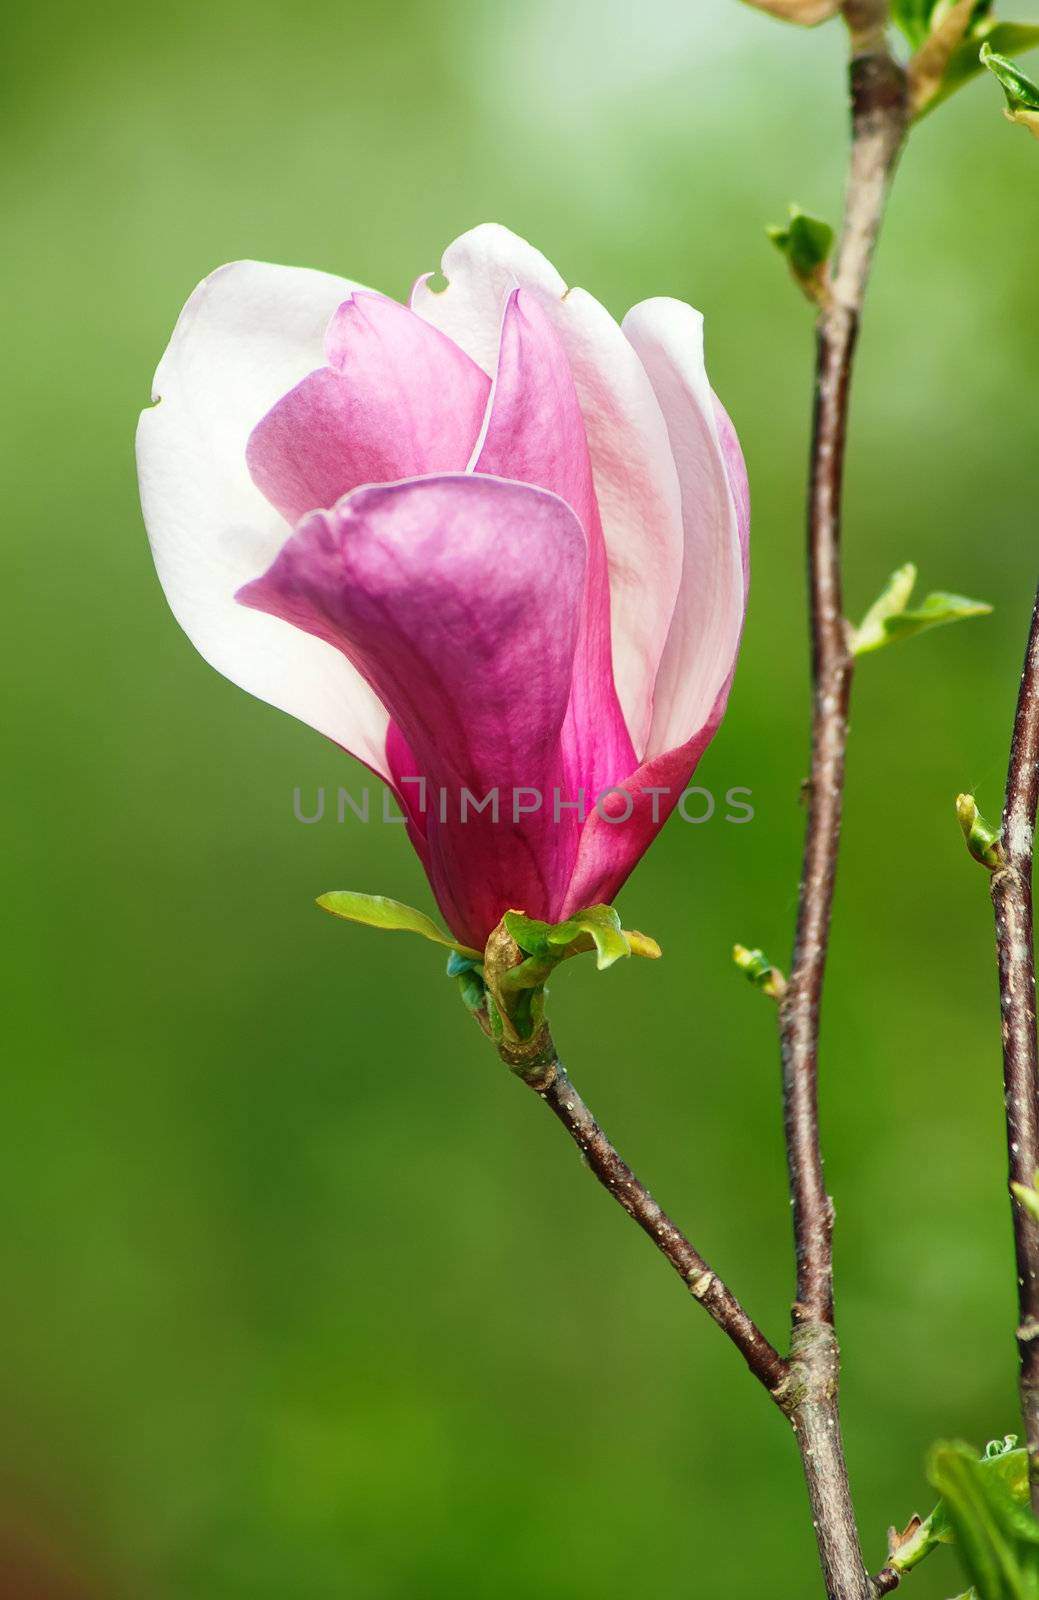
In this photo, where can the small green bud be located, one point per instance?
(469, 974)
(807, 243)
(758, 970)
(1026, 1197)
(982, 841)
(907, 1547)
(1022, 95)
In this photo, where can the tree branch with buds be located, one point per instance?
(879, 124)
(1009, 859)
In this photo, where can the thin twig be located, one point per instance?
(879, 121)
(540, 1067)
(1012, 898)
(878, 88)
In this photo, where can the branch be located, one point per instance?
(1011, 889)
(879, 123)
(878, 90)
(540, 1068)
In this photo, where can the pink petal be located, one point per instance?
(535, 434)
(397, 400)
(716, 509)
(609, 850)
(705, 631)
(634, 471)
(458, 598)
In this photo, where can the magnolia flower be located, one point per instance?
(492, 540)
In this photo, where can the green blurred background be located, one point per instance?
(303, 1296)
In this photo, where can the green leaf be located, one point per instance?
(889, 618)
(935, 611)
(946, 48)
(375, 911)
(996, 1535)
(806, 242)
(893, 598)
(595, 928)
(914, 18)
(1003, 1462)
(471, 988)
(1022, 94)
(529, 933)
(602, 926)
(966, 62)
(548, 943)
(469, 974)
(458, 964)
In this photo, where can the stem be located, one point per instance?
(804, 1388)
(540, 1068)
(817, 1428)
(879, 123)
(1011, 889)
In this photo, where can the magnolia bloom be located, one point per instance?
(492, 540)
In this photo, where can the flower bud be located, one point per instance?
(1022, 94)
(807, 243)
(982, 841)
(758, 970)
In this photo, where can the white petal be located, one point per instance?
(635, 478)
(708, 618)
(248, 334)
(482, 267)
